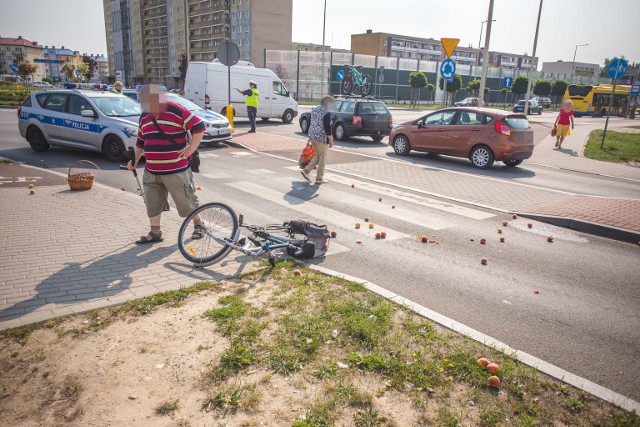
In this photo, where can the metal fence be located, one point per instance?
(302, 72)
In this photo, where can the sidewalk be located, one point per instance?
(65, 252)
(609, 217)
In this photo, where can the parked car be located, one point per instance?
(543, 101)
(534, 107)
(217, 127)
(42, 85)
(356, 117)
(131, 93)
(483, 135)
(88, 119)
(467, 102)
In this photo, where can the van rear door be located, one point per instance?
(195, 84)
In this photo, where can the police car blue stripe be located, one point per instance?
(62, 122)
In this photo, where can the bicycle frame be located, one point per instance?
(357, 76)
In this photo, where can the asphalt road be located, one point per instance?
(586, 318)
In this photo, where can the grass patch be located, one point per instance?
(619, 147)
(168, 407)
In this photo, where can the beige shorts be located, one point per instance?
(181, 187)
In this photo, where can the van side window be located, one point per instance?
(279, 89)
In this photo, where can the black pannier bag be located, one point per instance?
(315, 234)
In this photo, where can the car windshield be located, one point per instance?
(520, 102)
(517, 122)
(184, 102)
(116, 106)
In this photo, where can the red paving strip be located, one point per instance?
(618, 213)
(267, 142)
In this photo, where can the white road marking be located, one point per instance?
(408, 197)
(243, 154)
(217, 175)
(323, 214)
(260, 171)
(207, 155)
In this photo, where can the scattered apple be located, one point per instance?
(366, 219)
(484, 261)
(359, 241)
(515, 216)
(483, 361)
(393, 207)
(483, 241)
(353, 186)
(378, 235)
(296, 272)
(502, 240)
(550, 239)
(199, 188)
(123, 189)
(379, 199)
(493, 368)
(472, 239)
(383, 235)
(530, 225)
(494, 381)
(32, 192)
(357, 225)
(505, 223)
(499, 230)
(370, 225)
(536, 291)
(31, 186)
(425, 239)
(334, 234)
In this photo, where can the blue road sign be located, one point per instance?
(78, 73)
(448, 69)
(340, 75)
(14, 68)
(617, 68)
(635, 89)
(507, 82)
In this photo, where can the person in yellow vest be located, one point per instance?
(251, 102)
(117, 87)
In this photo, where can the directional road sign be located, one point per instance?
(340, 75)
(448, 69)
(449, 45)
(507, 81)
(14, 68)
(635, 89)
(617, 68)
(78, 73)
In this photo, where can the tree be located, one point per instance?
(474, 86)
(183, 66)
(84, 70)
(417, 80)
(519, 86)
(68, 69)
(26, 68)
(91, 64)
(47, 80)
(504, 92)
(430, 89)
(558, 88)
(453, 86)
(542, 88)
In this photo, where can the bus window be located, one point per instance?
(579, 90)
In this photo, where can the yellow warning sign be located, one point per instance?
(449, 45)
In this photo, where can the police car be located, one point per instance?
(93, 120)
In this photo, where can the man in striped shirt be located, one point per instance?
(162, 138)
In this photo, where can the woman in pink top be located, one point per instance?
(564, 120)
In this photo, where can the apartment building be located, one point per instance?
(56, 57)
(394, 45)
(146, 39)
(569, 67)
(16, 49)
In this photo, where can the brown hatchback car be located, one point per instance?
(483, 135)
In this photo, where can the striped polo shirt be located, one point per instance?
(161, 154)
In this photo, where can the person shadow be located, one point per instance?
(101, 277)
(301, 191)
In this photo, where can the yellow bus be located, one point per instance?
(594, 100)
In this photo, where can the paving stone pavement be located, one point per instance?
(64, 252)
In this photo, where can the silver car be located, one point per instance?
(86, 119)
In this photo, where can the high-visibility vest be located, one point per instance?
(252, 100)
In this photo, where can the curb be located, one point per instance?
(529, 360)
(601, 230)
(8, 107)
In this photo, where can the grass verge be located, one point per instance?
(619, 147)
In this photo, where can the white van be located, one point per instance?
(206, 84)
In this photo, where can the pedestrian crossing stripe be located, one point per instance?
(321, 213)
(216, 175)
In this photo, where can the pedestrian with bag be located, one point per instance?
(564, 122)
(251, 102)
(162, 138)
(321, 138)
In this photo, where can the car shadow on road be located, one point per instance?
(101, 277)
(60, 157)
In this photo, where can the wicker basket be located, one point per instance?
(82, 180)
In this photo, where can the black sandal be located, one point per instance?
(150, 238)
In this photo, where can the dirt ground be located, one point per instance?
(184, 361)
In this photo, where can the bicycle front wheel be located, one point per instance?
(367, 85)
(220, 224)
(346, 86)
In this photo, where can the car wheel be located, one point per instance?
(340, 133)
(540, 112)
(287, 117)
(513, 163)
(401, 145)
(304, 125)
(377, 138)
(265, 119)
(36, 139)
(113, 149)
(481, 157)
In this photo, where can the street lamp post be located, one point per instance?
(533, 62)
(573, 63)
(485, 63)
(324, 25)
(475, 74)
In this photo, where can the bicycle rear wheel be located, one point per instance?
(347, 85)
(367, 85)
(219, 221)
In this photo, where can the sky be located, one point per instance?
(609, 27)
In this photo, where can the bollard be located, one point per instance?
(229, 111)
